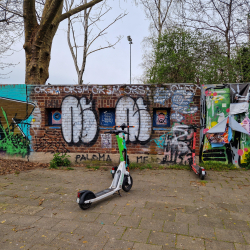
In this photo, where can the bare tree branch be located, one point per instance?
(90, 18)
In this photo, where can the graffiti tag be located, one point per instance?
(99, 157)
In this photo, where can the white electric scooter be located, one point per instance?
(122, 179)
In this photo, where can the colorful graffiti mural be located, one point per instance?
(14, 126)
(217, 102)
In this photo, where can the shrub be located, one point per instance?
(247, 161)
(60, 160)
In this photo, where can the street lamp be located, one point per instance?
(130, 42)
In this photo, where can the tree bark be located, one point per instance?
(39, 37)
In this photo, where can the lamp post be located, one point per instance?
(130, 42)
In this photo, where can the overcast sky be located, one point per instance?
(109, 66)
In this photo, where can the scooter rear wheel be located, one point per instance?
(88, 196)
(125, 186)
(201, 175)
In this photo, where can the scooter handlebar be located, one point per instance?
(195, 126)
(116, 132)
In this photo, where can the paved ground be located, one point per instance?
(165, 209)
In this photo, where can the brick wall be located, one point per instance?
(81, 132)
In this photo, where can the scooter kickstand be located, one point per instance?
(119, 193)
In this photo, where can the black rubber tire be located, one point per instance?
(125, 186)
(202, 176)
(88, 196)
(190, 161)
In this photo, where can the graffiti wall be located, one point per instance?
(74, 119)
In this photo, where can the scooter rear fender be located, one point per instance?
(84, 194)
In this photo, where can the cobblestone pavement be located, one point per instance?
(165, 209)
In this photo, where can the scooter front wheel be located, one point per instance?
(126, 186)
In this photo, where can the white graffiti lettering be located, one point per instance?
(134, 113)
(79, 123)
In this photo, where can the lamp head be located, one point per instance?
(129, 39)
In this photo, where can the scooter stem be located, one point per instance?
(120, 146)
(193, 151)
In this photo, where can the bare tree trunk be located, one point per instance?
(159, 19)
(39, 37)
(38, 40)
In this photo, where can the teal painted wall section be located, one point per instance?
(16, 92)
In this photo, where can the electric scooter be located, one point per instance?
(200, 171)
(122, 179)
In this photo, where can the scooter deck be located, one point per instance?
(199, 171)
(105, 191)
(196, 168)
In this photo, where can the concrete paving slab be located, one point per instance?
(241, 247)
(229, 235)
(164, 215)
(123, 210)
(88, 228)
(107, 219)
(43, 247)
(45, 223)
(43, 236)
(238, 225)
(111, 232)
(67, 226)
(246, 237)
(175, 228)
(160, 238)
(114, 244)
(142, 212)
(136, 235)
(191, 219)
(219, 245)
(190, 243)
(129, 221)
(14, 245)
(141, 246)
(151, 224)
(202, 232)
(214, 222)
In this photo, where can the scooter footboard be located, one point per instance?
(105, 191)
